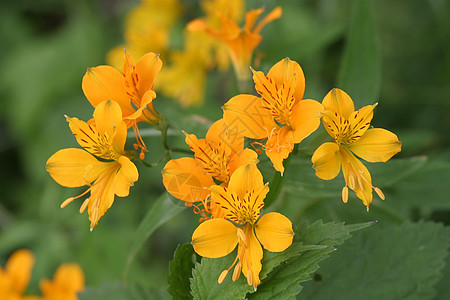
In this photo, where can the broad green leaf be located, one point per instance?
(180, 269)
(284, 281)
(360, 72)
(162, 210)
(204, 283)
(121, 291)
(390, 262)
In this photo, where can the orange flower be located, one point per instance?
(280, 115)
(113, 175)
(351, 134)
(132, 90)
(241, 203)
(216, 158)
(67, 282)
(241, 42)
(15, 277)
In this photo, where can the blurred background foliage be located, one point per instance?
(391, 52)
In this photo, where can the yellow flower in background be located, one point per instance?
(147, 29)
(351, 134)
(280, 115)
(241, 42)
(113, 175)
(67, 282)
(216, 158)
(242, 226)
(15, 277)
(132, 90)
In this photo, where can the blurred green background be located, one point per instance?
(391, 52)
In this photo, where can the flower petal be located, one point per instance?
(108, 119)
(74, 167)
(146, 70)
(376, 145)
(283, 70)
(305, 118)
(215, 238)
(245, 157)
(18, 268)
(340, 102)
(274, 231)
(186, 180)
(278, 147)
(125, 177)
(246, 113)
(244, 179)
(326, 161)
(229, 137)
(67, 281)
(253, 253)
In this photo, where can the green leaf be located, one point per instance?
(162, 210)
(204, 283)
(120, 291)
(360, 72)
(180, 269)
(390, 262)
(284, 281)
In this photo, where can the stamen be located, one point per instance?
(69, 200)
(237, 271)
(84, 205)
(249, 277)
(379, 193)
(222, 276)
(241, 236)
(345, 194)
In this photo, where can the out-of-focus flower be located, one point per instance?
(132, 90)
(147, 29)
(15, 277)
(241, 42)
(241, 203)
(113, 175)
(216, 158)
(351, 134)
(280, 115)
(67, 282)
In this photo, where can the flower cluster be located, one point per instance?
(67, 281)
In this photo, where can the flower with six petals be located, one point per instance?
(352, 135)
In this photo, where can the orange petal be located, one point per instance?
(108, 119)
(326, 161)
(274, 231)
(245, 157)
(253, 253)
(283, 70)
(74, 167)
(220, 133)
(278, 147)
(376, 145)
(250, 18)
(276, 13)
(67, 281)
(186, 180)
(146, 70)
(145, 101)
(246, 113)
(305, 118)
(125, 177)
(340, 102)
(18, 268)
(215, 238)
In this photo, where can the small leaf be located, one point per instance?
(180, 270)
(162, 210)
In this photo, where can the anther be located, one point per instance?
(222, 276)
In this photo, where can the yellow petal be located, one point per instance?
(74, 167)
(283, 70)
(125, 177)
(376, 145)
(186, 180)
(108, 119)
(340, 102)
(146, 70)
(359, 122)
(245, 157)
(229, 137)
(305, 119)
(246, 113)
(253, 253)
(18, 268)
(274, 231)
(244, 179)
(67, 281)
(326, 161)
(214, 238)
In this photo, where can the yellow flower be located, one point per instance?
(241, 42)
(241, 203)
(132, 90)
(147, 28)
(280, 115)
(112, 175)
(67, 282)
(15, 277)
(351, 134)
(216, 158)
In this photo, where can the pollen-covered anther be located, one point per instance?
(379, 193)
(222, 276)
(241, 236)
(237, 271)
(345, 194)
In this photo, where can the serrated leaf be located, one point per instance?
(360, 73)
(180, 270)
(394, 262)
(284, 281)
(204, 283)
(161, 211)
